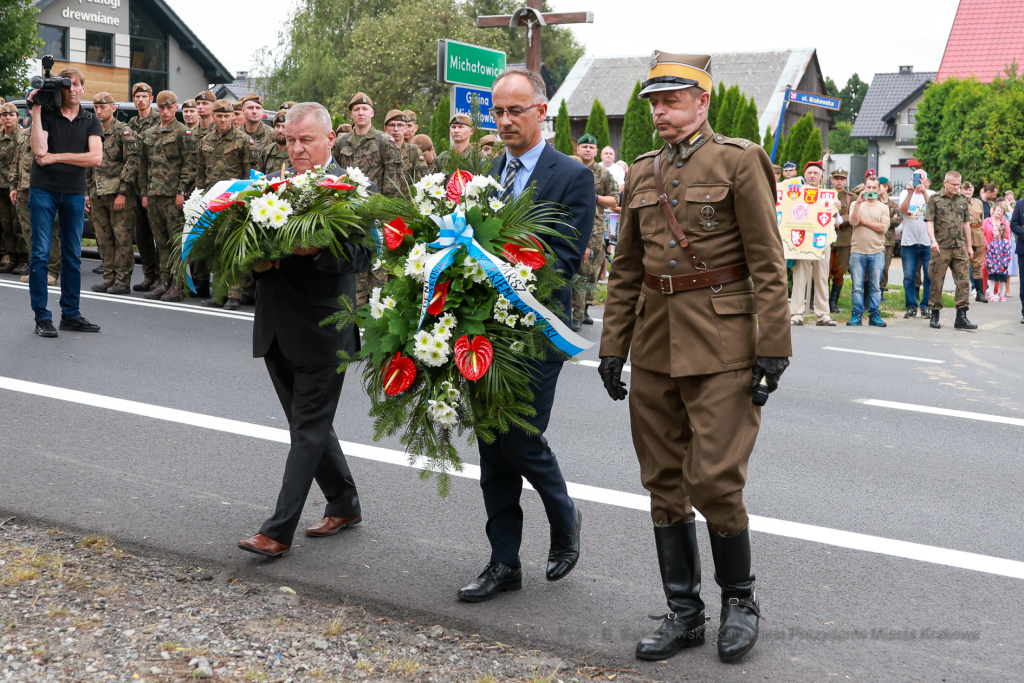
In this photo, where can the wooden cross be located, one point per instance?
(533, 19)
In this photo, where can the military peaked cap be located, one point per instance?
(840, 173)
(674, 72)
(789, 166)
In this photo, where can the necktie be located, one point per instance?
(510, 177)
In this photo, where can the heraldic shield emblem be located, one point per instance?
(793, 192)
(810, 195)
(820, 240)
(797, 237)
(778, 218)
(824, 218)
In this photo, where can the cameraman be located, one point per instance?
(64, 142)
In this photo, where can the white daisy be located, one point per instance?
(529, 320)
(495, 204)
(524, 272)
(387, 302)
(416, 269)
(500, 315)
(516, 346)
(442, 330)
(422, 339)
(511, 320)
(418, 251)
(442, 414)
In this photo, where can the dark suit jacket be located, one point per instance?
(559, 180)
(293, 299)
(1017, 226)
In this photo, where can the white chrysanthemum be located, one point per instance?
(422, 339)
(440, 345)
(271, 201)
(387, 302)
(511, 320)
(194, 206)
(436, 192)
(529, 320)
(479, 274)
(531, 288)
(448, 319)
(442, 414)
(424, 207)
(502, 303)
(300, 181)
(416, 269)
(500, 315)
(378, 264)
(422, 355)
(495, 204)
(356, 176)
(525, 272)
(260, 212)
(434, 357)
(375, 295)
(516, 346)
(451, 393)
(278, 219)
(418, 251)
(442, 330)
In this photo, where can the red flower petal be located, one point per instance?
(218, 206)
(395, 232)
(457, 184)
(398, 375)
(440, 294)
(279, 183)
(336, 184)
(473, 359)
(529, 256)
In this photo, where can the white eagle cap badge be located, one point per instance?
(654, 60)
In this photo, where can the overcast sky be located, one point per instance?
(865, 39)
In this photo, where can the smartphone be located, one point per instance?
(917, 178)
(870, 195)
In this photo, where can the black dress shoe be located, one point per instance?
(496, 578)
(78, 325)
(44, 328)
(565, 549)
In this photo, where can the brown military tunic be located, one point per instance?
(977, 212)
(693, 422)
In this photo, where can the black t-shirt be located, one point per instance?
(65, 137)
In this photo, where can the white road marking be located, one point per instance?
(134, 301)
(622, 499)
(597, 364)
(884, 355)
(946, 412)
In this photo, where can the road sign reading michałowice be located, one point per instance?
(465, 64)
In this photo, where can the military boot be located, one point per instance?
(102, 286)
(587, 320)
(962, 323)
(158, 290)
(980, 291)
(22, 267)
(145, 285)
(833, 298)
(172, 294)
(934, 323)
(7, 264)
(737, 631)
(120, 288)
(684, 624)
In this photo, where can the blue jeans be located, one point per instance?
(867, 267)
(915, 255)
(44, 206)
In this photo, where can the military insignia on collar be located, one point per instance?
(693, 138)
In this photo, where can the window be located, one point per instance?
(99, 48)
(912, 115)
(55, 41)
(148, 50)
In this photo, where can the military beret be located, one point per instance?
(410, 115)
(237, 106)
(279, 117)
(460, 119)
(840, 173)
(883, 180)
(870, 172)
(423, 142)
(287, 105)
(141, 87)
(777, 168)
(587, 139)
(394, 114)
(252, 97)
(668, 71)
(188, 104)
(488, 140)
(344, 128)
(964, 185)
(857, 189)
(789, 166)
(166, 97)
(222, 107)
(359, 98)
(206, 96)
(8, 109)
(814, 163)
(102, 97)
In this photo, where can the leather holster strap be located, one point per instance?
(708, 277)
(670, 217)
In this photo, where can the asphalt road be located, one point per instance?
(886, 491)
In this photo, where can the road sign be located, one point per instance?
(462, 103)
(465, 64)
(813, 100)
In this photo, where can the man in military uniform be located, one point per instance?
(839, 260)
(9, 236)
(412, 126)
(697, 292)
(778, 172)
(487, 143)
(19, 175)
(285, 106)
(976, 209)
(460, 128)
(949, 227)
(789, 169)
(274, 156)
(593, 258)
(426, 147)
(111, 202)
(140, 124)
(239, 114)
(414, 166)
(262, 135)
(204, 105)
(165, 150)
(224, 154)
(190, 114)
(342, 129)
(895, 218)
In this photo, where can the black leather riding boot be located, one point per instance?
(737, 632)
(683, 625)
(833, 298)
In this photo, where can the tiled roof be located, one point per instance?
(242, 86)
(987, 35)
(886, 91)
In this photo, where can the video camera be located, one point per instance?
(47, 87)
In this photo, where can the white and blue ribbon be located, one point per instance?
(457, 233)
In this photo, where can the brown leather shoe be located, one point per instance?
(328, 526)
(261, 545)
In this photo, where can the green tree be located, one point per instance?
(812, 148)
(853, 97)
(727, 111)
(19, 41)
(1005, 140)
(797, 138)
(637, 128)
(563, 138)
(597, 125)
(928, 124)
(713, 105)
(965, 99)
(840, 143)
(747, 125)
(769, 138)
(439, 125)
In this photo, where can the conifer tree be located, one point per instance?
(563, 137)
(726, 112)
(638, 135)
(439, 126)
(797, 138)
(812, 148)
(746, 127)
(768, 138)
(597, 125)
(713, 105)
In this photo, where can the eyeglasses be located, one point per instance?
(513, 113)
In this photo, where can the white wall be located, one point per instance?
(185, 77)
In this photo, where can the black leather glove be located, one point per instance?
(771, 369)
(611, 375)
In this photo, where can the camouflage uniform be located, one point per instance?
(895, 218)
(117, 175)
(271, 158)
(143, 231)
(19, 175)
(977, 212)
(9, 237)
(165, 153)
(949, 215)
(604, 186)
(262, 138)
(414, 166)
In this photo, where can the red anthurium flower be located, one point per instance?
(218, 206)
(440, 294)
(457, 185)
(474, 359)
(279, 183)
(398, 375)
(395, 232)
(336, 184)
(528, 256)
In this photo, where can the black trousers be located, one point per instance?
(513, 456)
(309, 396)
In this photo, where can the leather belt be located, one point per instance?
(706, 277)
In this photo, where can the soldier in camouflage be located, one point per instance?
(225, 154)
(949, 227)
(262, 135)
(274, 156)
(239, 114)
(460, 129)
(342, 129)
(190, 114)
(414, 166)
(412, 126)
(487, 143)
(111, 200)
(895, 218)
(426, 147)
(166, 149)
(142, 95)
(204, 104)
(9, 236)
(18, 174)
(593, 260)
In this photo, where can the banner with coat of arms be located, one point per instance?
(805, 218)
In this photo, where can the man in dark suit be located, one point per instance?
(1017, 228)
(292, 296)
(519, 110)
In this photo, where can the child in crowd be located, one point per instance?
(997, 260)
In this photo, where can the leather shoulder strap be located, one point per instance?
(670, 217)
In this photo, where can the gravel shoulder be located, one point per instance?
(76, 608)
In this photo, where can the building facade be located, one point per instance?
(117, 43)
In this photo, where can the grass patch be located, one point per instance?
(86, 242)
(25, 564)
(98, 544)
(169, 646)
(404, 666)
(334, 628)
(364, 665)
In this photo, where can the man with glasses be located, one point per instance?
(460, 128)
(396, 123)
(949, 229)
